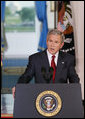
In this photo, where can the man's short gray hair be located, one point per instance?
(57, 32)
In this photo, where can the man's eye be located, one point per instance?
(56, 42)
(50, 40)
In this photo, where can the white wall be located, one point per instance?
(78, 20)
(50, 16)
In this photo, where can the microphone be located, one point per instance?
(51, 72)
(47, 75)
(43, 70)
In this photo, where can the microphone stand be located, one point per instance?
(47, 76)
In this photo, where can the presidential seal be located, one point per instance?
(48, 103)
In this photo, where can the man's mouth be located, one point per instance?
(52, 49)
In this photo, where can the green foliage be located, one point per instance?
(27, 14)
(12, 20)
(19, 21)
(7, 11)
(20, 29)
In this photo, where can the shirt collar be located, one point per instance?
(50, 55)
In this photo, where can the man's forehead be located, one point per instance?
(54, 35)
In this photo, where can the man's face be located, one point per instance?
(54, 43)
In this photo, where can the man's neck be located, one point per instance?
(52, 54)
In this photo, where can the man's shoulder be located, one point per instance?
(66, 55)
(38, 54)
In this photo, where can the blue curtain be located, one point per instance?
(2, 10)
(41, 11)
(3, 39)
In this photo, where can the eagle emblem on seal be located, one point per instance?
(48, 103)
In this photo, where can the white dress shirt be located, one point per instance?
(50, 57)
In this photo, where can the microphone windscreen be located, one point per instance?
(43, 69)
(51, 69)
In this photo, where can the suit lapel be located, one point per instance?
(60, 64)
(45, 62)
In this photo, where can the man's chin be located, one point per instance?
(52, 52)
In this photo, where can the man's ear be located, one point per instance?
(46, 41)
(62, 45)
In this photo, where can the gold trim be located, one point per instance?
(57, 98)
(7, 115)
(6, 91)
(41, 48)
(13, 70)
(52, 4)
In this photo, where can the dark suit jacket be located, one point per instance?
(65, 70)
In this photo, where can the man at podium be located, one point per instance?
(51, 65)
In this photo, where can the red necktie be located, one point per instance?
(54, 67)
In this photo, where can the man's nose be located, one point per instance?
(53, 44)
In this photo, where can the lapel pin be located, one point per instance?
(62, 62)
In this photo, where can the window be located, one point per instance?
(20, 16)
(22, 29)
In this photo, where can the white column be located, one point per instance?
(78, 20)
